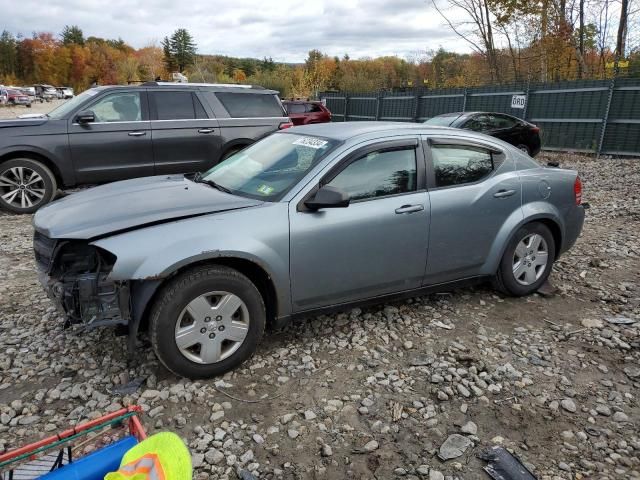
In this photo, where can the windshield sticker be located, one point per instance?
(265, 189)
(310, 142)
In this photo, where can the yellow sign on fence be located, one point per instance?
(621, 64)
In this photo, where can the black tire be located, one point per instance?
(505, 279)
(524, 148)
(48, 185)
(29, 105)
(173, 299)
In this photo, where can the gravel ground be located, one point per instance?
(382, 392)
(10, 111)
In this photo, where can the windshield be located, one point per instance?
(63, 110)
(269, 168)
(443, 120)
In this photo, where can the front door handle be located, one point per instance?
(409, 209)
(137, 134)
(504, 193)
(205, 130)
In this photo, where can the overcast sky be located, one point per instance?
(283, 29)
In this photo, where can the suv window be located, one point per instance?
(249, 105)
(313, 108)
(459, 164)
(378, 174)
(176, 106)
(118, 107)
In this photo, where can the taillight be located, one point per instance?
(535, 129)
(577, 190)
(284, 125)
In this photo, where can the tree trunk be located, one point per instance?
(622, 33)
(581, 42)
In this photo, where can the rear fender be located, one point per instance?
(529, 213)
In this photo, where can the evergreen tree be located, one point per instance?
(72, 34)
(179, 50)
(8, 54)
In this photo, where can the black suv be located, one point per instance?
(121, 132)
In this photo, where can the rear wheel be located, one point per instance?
(527, 260)
(25, 185)
(207, 321)
(231, 152)
(523, 148)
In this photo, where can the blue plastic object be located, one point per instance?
(95, 465)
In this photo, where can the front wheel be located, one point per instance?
(207, 321)
(527, 260)
(25, 185)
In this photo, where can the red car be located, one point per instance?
(17, 97)
(303, 112)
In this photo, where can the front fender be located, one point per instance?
(259, 234)
(530, 212)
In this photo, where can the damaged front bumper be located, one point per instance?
(75, 277)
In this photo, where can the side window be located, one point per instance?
(313, 108)
(479, 123)
(458, 164)
(501, 121)
(118, 107)
(174, 105)
(379, 174)
(250, 105)
(295, 108)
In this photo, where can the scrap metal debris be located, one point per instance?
(503, 465)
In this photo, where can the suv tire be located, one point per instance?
(207, 313)
(25, 185)
(527, 260)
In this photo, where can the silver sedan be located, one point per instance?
(307, 220)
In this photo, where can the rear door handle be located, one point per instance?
(504, 193)
(137, 134)
(205, 130)
(409, 209)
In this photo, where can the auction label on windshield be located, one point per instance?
(310, 142)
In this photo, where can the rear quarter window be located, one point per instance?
(249, 105)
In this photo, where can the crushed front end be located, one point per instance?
(75, 276)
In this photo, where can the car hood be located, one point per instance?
(29, 120)
(131, 204)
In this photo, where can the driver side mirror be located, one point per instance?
(85, 116)
(328, 197)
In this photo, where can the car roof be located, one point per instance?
(344, 130)
(217, 87)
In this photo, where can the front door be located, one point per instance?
(117, 145)
(375, 246)
(474, 190)
(185, 139)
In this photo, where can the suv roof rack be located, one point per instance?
(173, 84)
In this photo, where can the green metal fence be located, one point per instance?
(596, 116)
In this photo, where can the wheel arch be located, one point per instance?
(236, 144)
(549, 219)
(39, 157)
(146, 292)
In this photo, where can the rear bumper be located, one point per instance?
(573, 227)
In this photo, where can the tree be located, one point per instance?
(179, 50)
(72, 34)
(622, 33)
(8, 54)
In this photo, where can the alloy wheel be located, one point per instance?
(530, 259)
(22, 187)
(212, 327)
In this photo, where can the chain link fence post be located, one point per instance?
(526, 99)
(378, 104)
(605, 120)
(464, 100)
(346, 106)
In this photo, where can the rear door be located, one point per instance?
(117, 145)
(474, 189)
(184, 138)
